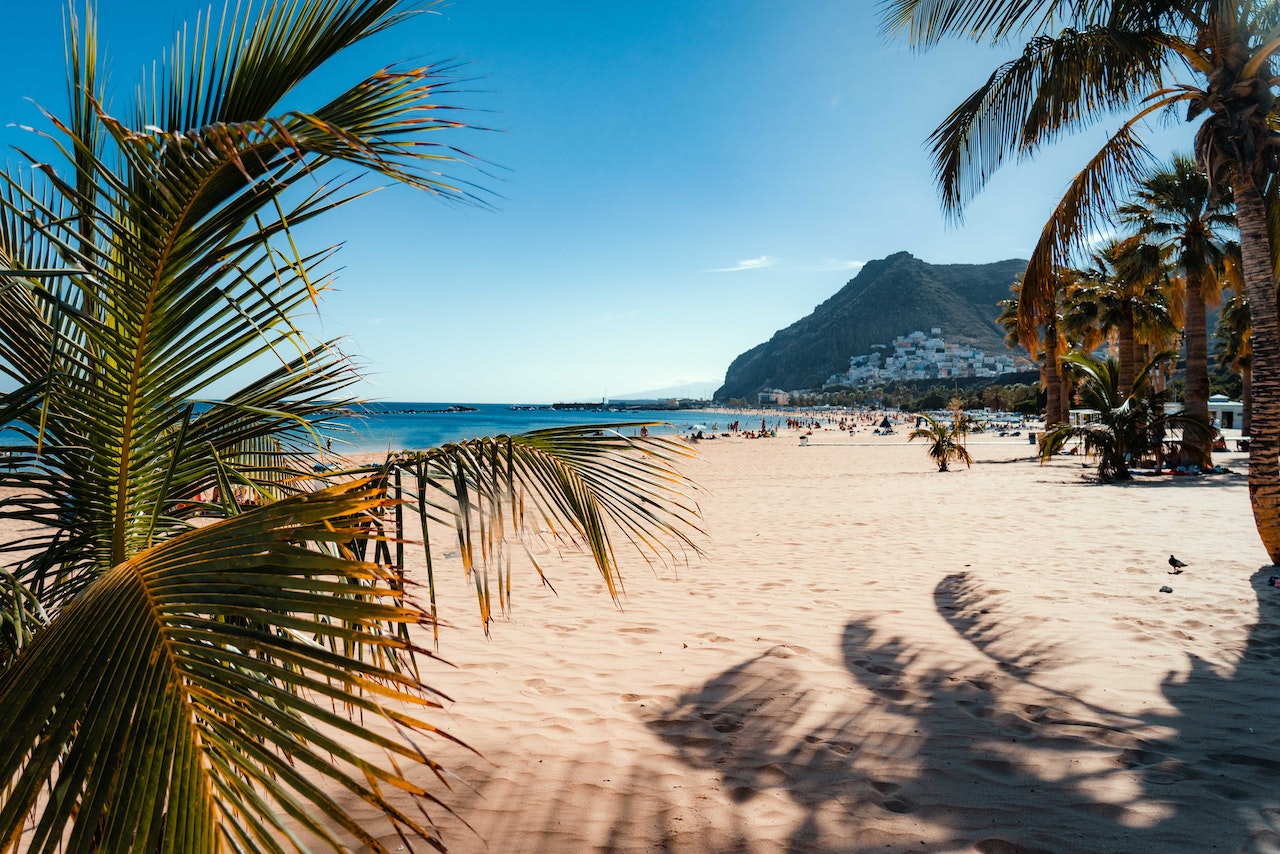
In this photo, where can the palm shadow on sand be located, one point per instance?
(994, 759)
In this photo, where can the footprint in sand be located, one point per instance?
(843, 748)
(542, 686)
(899, 805)
(893, 695)
(722, 722)
(981, 711)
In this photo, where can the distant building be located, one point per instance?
(773, 397)
(1225, 412)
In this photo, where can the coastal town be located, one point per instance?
(917, 356)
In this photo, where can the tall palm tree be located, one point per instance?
(169, 685)
(1234, 337)
(1171, 205)
(1085, 62)
(1044, 342)
(1120, 295)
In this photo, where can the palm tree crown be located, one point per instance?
(1171, 205)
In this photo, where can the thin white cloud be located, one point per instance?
(747, 264)
(838, 265)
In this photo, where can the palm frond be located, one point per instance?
(1090, 197)
(1059, 83)
(182, 223)
(584, 485)
(929, 22)
(239, 657)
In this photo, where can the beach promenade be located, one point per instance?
(873, 656)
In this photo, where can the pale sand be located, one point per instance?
(873, 656)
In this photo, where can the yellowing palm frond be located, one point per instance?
(220, 698)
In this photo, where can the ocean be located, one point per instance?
(417, 426)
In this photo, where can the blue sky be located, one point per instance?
(672, 182)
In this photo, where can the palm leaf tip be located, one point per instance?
(182, 693)
(587, 486)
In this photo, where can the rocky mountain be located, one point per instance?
(887, 298)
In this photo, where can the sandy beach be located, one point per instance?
(874, 656)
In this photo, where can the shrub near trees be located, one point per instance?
(1130, 424)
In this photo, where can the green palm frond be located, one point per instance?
(928, 22)
(178, 687)
(182, 220)
(1091, 196)
(1233, 334)
(585, 485)
(1061, 83)
(218, 703)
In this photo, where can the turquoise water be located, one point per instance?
(384, 426)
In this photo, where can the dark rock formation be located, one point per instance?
(887, 298)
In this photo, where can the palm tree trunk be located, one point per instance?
(1067, 392)
(1264, 427)
(1052, 378)
(1246, 398)
(1196, 449)
(1128, 358)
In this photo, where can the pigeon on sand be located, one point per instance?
(1176, 564)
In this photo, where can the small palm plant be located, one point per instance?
(1131, 422)
(945, 440)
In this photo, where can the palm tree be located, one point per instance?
(1120, 295)
(1044, 342)
(1131, 421)
(1171, 205)
(942, 438)
(1084, 62)
(1234, 338)
(169, 685)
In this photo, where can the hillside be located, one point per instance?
(887, 298)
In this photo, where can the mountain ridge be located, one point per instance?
(889, 297)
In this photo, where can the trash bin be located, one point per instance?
(804, 440)
(1031, 438)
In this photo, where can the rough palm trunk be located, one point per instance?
(1196, 449)
(1052, 379)
(1066, 393)
(1128, 350)
(1264, 427)
(1246, 398)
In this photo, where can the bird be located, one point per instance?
(1176, 564)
